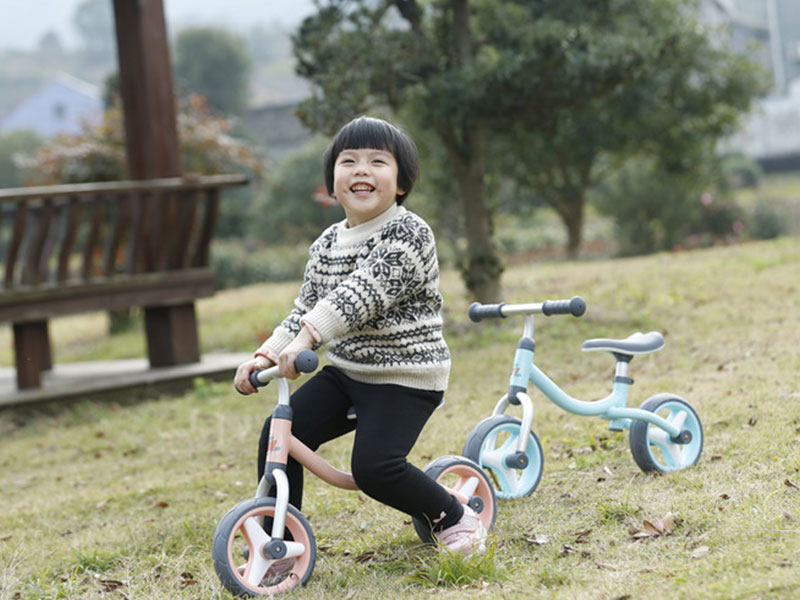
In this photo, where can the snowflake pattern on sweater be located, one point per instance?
(372, 293)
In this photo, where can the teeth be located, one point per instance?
(361, 188)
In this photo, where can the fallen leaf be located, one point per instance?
(724, 496)
(701, 552)
(716, 457)
(5, 538)
(752, 421)
(366, 556)
(608, 471)
(537, 540)
(785, 563)
(101, 504)
(788, 483)
(580, 536)
(161, 504)
(109, 585)
(654, 527)
(566, 550)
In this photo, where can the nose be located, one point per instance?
(361, 168)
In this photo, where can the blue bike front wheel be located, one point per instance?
(652, 447)
(493, 443)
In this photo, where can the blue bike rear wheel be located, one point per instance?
(651, 446)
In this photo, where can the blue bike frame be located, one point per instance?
(612, 408)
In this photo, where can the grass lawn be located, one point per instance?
(120, 500)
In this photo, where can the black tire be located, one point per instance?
(651, 450)
(507, 483)
(231, 542)
(454, 472)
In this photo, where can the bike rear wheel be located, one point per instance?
(463, 475)
(651, 446)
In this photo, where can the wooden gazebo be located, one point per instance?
(143, 242)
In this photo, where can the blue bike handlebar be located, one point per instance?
(306, 361)
(575, 306)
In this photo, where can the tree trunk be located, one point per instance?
(481, 268)
(569, 206)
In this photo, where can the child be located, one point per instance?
(370, 293)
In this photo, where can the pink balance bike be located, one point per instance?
(264, 546)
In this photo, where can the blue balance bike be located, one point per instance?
(665, 432)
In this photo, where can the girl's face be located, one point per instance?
(365, 183)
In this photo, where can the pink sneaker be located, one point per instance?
(467, 536)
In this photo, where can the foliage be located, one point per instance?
(766, 222)
(94, 22)
(652, 82)
(12, 144)
(214, 63)
(294, 205)
(236, 264)
(98, 153)
(560, 87)
(657, 208)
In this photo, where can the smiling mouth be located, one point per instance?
(362, 188)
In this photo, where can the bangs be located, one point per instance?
(366, 133)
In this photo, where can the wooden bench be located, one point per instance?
(68, 249)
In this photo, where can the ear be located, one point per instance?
(400, 192)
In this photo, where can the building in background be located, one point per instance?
(64, 105)
(768, 32)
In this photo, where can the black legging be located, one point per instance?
(389, 420)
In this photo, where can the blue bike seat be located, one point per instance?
(638, 343)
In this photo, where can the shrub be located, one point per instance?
(236, 265)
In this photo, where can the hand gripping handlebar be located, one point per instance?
(306, 361)
(575, 306)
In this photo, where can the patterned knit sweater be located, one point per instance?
(372, 293)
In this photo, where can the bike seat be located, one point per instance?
(638, 343)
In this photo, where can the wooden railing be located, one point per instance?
(73, 248)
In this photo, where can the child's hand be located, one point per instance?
(241, 381)
(303, 341)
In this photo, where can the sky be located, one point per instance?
(23, 22)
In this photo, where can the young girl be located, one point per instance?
(371, 294)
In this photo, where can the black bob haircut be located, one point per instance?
(369, 132)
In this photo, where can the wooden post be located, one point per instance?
(151, 140)
(32, 351)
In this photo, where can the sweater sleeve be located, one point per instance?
(396, 267)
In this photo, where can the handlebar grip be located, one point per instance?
(575, 306)
(306, 361)
(478, 311)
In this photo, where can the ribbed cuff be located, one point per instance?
(327, 323)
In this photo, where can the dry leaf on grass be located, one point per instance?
(652, 528)
(701, 552)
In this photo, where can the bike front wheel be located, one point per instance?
(241, 537)
(495, 439)
(652, 447)
(462, 475)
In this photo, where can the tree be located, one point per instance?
(494, 76)
(12, 144)
(674, 101)
(95, 23)
(213, 63)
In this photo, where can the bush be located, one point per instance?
(766, 223)
(236, 265)
(656, 208)
(295, 205)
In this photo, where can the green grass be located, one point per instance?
(120, 500)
